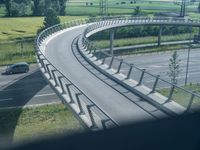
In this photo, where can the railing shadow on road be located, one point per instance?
(21, 92)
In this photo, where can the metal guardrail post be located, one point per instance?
(129, 72)
(91, 116)
(99, 55)
(79, 104)
(190, 103)
(61, 85)
(43, 64)
(54, 77)
(49, 72)
(104, 59)
(119, 67)
(170, 94)
(111, 62)
(155, 84)
(94, 51)
(141, 77)
(69, 93)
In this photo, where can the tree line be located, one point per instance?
(16, 8)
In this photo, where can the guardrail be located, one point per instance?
(82, 105)
(133, 71)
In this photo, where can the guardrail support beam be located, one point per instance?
(155, 84)
(120, 65)
(190, 103)
(170, 93)
(111, 40)
(141, 77)
(129, 72)
(159, 36)
(111, 62)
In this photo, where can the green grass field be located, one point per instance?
(116, 7)
(12, 52)
(182, 97)
(140, 40)
(31, 123)
(19, 29)
(23, 27)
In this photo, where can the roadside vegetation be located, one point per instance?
(17, 37)
(25, 27)
(139, 40)
(182, 97)
(22, 124)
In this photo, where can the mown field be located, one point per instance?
(23, 27)
(116, 7)
(22, 124)
(17, 37)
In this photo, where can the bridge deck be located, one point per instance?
(114, 104)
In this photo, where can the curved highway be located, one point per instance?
(117, 106)
(59, 50)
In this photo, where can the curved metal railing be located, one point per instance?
(82, 105)
(191, 97)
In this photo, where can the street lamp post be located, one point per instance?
(188, 57)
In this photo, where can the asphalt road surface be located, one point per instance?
(158, 64)
(120, 108)
(25, 89)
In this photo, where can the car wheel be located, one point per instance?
(26, 70)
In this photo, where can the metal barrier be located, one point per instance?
(84, 107)
(134, 71)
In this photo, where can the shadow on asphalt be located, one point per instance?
(25, 89)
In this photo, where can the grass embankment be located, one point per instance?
(140, 40)
(182, 97)
(144, 40)
(17, 29)
(41, 121)
(23, 27)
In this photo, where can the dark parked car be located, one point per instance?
(21, 67)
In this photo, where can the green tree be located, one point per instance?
(199, 8)
(38, 7)
(174, 67)
(51, 18)
(137, 10)
(16, 7)
(8, 7)
(62, 4)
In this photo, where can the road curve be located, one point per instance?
(115, 105)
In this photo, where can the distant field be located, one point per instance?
(115, 7)
(22, 27)
(32, 123)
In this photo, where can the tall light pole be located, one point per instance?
(188, 56)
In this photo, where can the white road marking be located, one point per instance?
(155, 66)
(6, 99)
(41, 95)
